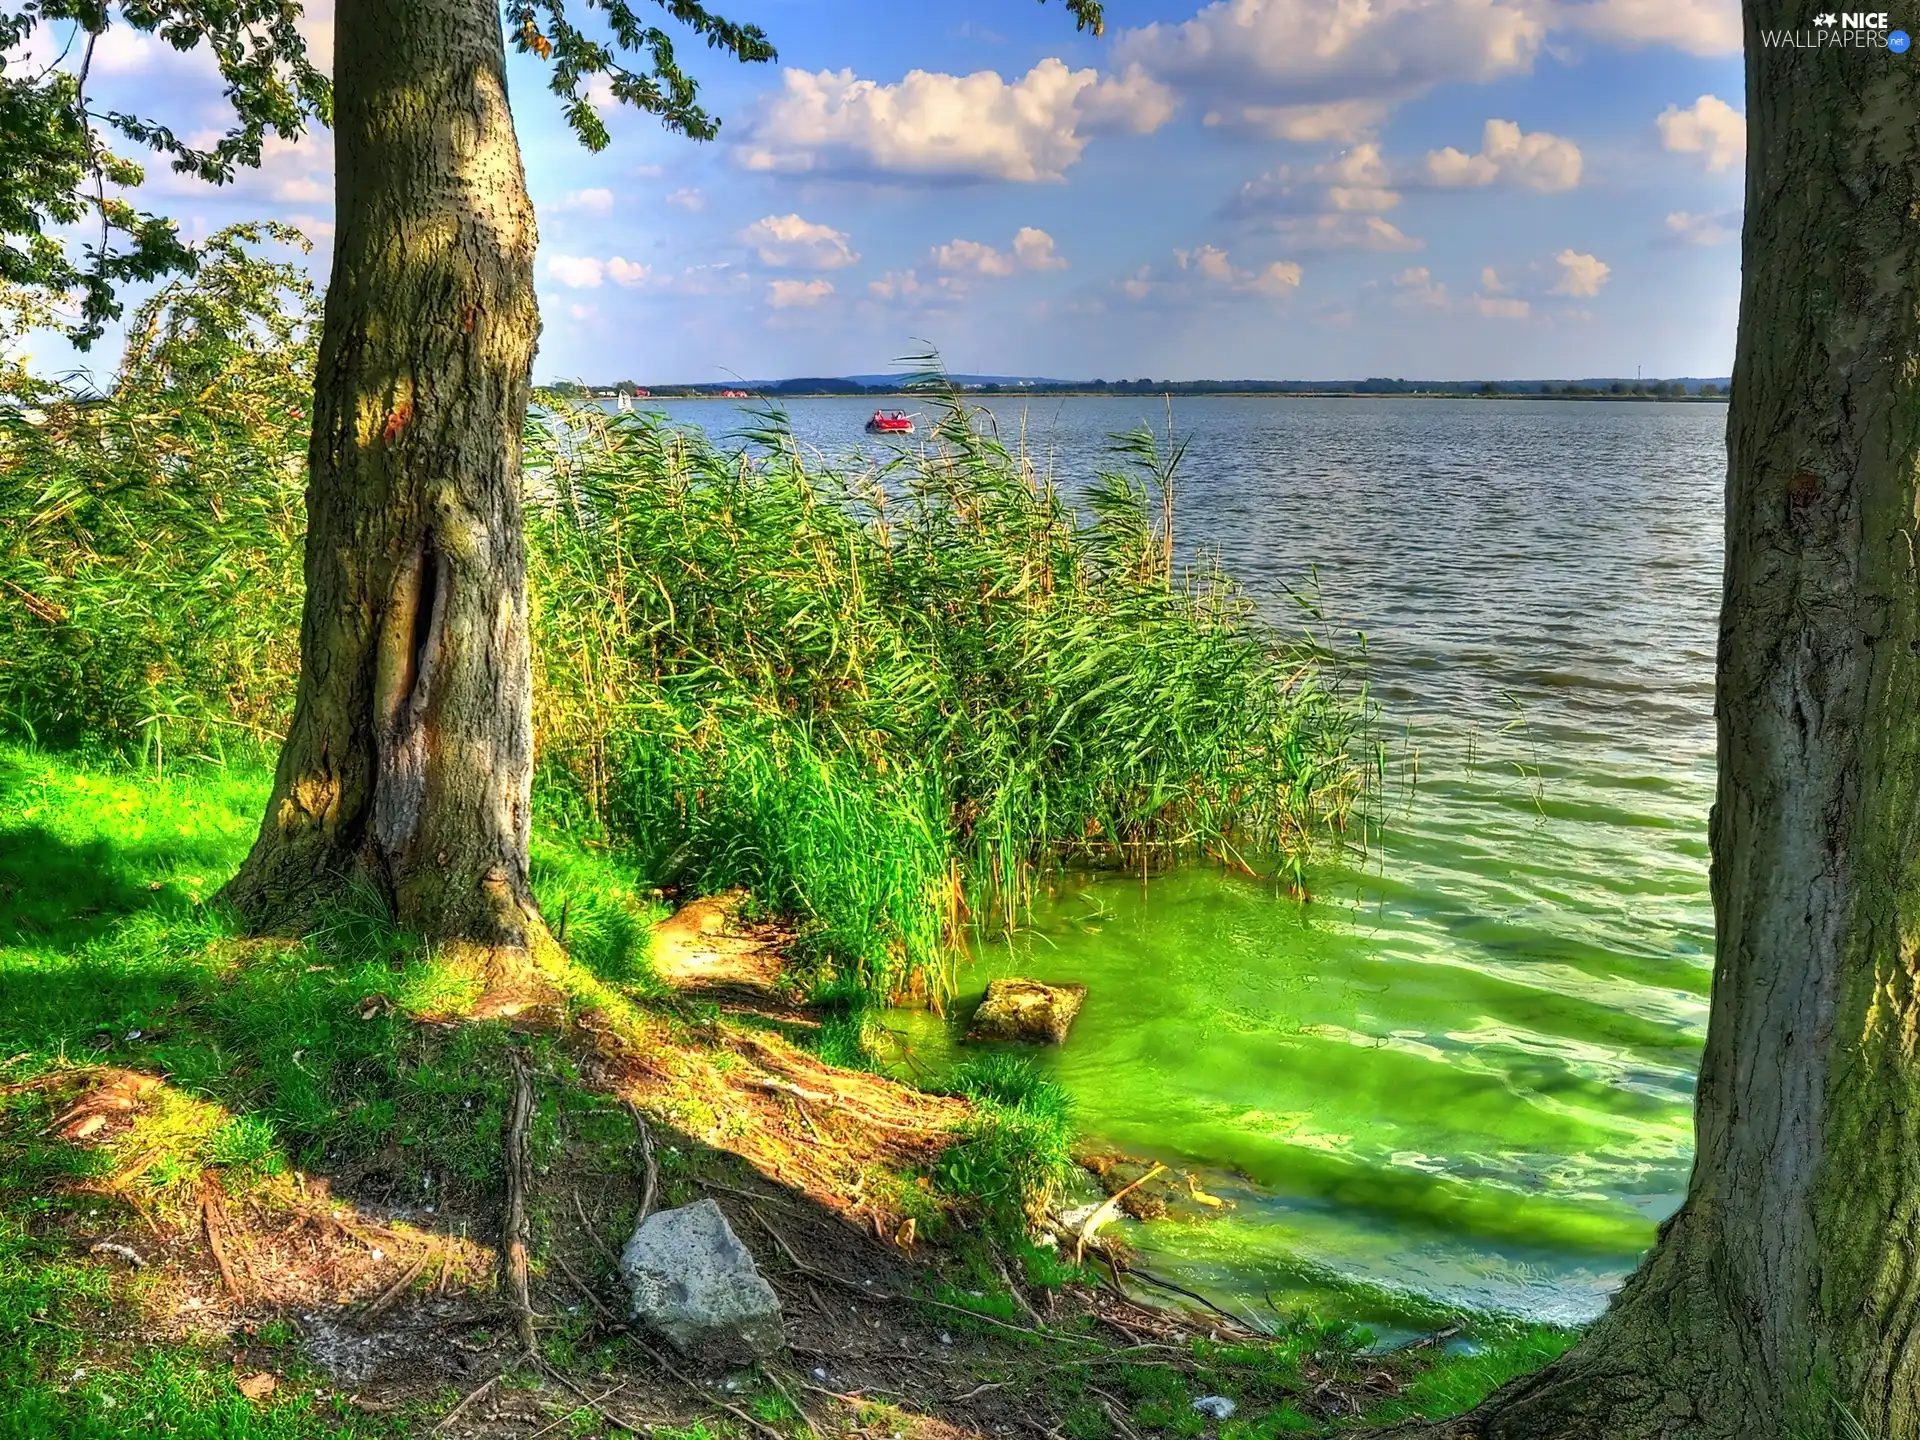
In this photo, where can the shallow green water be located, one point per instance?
(1464, 1072)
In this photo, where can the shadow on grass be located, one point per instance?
(57, 893)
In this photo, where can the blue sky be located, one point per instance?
(1248, 188)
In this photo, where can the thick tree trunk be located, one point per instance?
(409, 759)
(1783, 1300)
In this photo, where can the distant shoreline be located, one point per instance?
(1039, 394)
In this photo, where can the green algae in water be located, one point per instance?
(1404, 1130)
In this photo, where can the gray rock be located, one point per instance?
(1215, 1407)
(1026, 1010)
(695, 1285)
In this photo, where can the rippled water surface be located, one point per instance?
(1464, 1072)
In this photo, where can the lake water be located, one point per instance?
(1462, 1076)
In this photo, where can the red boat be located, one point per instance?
(890, 422)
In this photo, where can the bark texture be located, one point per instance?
(409, 759)
(1782, 1300)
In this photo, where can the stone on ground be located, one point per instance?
(1027, 1010)
(695, 1285)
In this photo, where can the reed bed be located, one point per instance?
(888, 698)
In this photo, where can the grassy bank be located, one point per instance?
(326, 1110)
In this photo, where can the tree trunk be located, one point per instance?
(409, 761)
(1783, 1299)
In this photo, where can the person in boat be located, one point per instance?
(891, 421)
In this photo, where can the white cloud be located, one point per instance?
(1538, 161)
(1502, 307)
(1338, 122)
(1032, 249)
(593, 202)
(1036, 250)
(583, 272)
(936, 126)
(1215, 266)
(316, 29)
(1580, 274)
(896, 285)
(1374, 233)
(790, 242)
(785, 294)
(688, 198)
(600, 93)
(1332, 69)
(577, 272)
(122, 50)
(971, 257)
(1709, 127)
(1279, 278)
(583, 312)
(1703, 229)
(1700, 27)
(1490, 281)
(1416, 286)
(1328, 200)
(718, 278)
(312, 226)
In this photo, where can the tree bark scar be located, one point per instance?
(410, 648)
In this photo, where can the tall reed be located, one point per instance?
(150, 537)
(888, 697)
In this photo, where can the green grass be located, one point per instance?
(107, 957)
(1014, 1155)
(273, 1058)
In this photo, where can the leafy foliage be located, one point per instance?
(50, 132)
(1013, 1155)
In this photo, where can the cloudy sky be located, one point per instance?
(1266, 188)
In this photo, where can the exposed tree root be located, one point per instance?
(513, 1231)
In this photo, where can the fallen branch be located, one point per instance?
(210, 1208)
(124, 1252)
(694, 1387)
(886, 1295)
(653, 1166)
(1160, 1282)
(472, 1395)
(390, 1297)
(587, 1291)
(592, 1404)
(593, 1234)
(513, 1233)
(595, 1406)
(1107, 1209)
